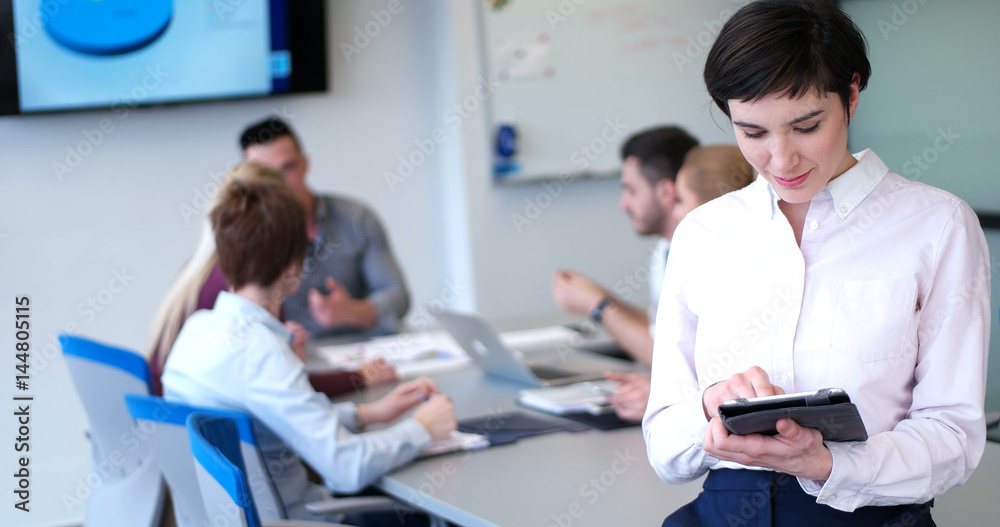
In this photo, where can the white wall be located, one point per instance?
(121, 211)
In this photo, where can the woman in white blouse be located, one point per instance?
(828, 271)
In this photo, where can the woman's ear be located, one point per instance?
(666, 193)
(855, 94)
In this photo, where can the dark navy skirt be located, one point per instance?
(757, 498)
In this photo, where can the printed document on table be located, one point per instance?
(411, 354)
(456, 442)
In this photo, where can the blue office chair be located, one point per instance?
(221, 473)
(131, 491)
(163, 425)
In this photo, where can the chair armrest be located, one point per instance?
(300, 523)
(359, 504)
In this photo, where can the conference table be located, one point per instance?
(581, 479)
(562, 479)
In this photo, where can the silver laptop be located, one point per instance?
(485, 348)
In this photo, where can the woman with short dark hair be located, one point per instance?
(828, 271)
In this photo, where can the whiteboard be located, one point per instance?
(575, 78)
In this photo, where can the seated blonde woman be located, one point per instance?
(200, 282)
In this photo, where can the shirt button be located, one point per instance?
(814, 225)
(784, 378)
(843, 208)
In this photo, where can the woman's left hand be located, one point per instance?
(796, 450)
(397, 402)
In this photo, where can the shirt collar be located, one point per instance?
(852, 187)
(766, 197)
(847, 190)
(236, 305)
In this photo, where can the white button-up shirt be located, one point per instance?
(238, 357)
(657, 266)
(888, 297)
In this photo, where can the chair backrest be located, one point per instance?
(220, 471)
(102, 374)
(163, 425)
(130, 490)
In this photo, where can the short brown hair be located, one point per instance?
(715, 170)
(260, 228)
(786, 47)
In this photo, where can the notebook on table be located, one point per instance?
(585, 403)
(507, 427)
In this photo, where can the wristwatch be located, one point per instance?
(597, 311)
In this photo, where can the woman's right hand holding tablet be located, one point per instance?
(751, 383)
(796, 450)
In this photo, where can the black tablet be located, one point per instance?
(829, 410)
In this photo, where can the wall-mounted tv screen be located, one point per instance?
(60, 55)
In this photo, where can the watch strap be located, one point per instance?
(597, 312)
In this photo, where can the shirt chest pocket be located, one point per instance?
(872, 318)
